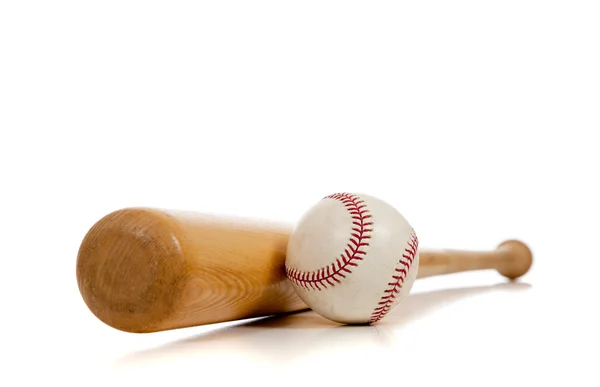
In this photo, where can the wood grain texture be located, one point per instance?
(148, 270)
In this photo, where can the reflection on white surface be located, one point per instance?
(306, 335)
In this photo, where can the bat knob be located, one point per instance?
(517, 258)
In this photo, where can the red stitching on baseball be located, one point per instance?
(332, 274)
(387, 300)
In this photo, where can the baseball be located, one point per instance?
(352, 258)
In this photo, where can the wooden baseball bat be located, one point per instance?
(148, 270)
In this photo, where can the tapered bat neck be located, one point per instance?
(512, 259)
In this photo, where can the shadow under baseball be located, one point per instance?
(285, 338)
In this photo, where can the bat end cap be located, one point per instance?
(127, 269)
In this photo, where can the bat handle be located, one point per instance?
(511, 258)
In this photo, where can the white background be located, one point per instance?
(478, 120)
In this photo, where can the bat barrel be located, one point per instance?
(146, 270)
